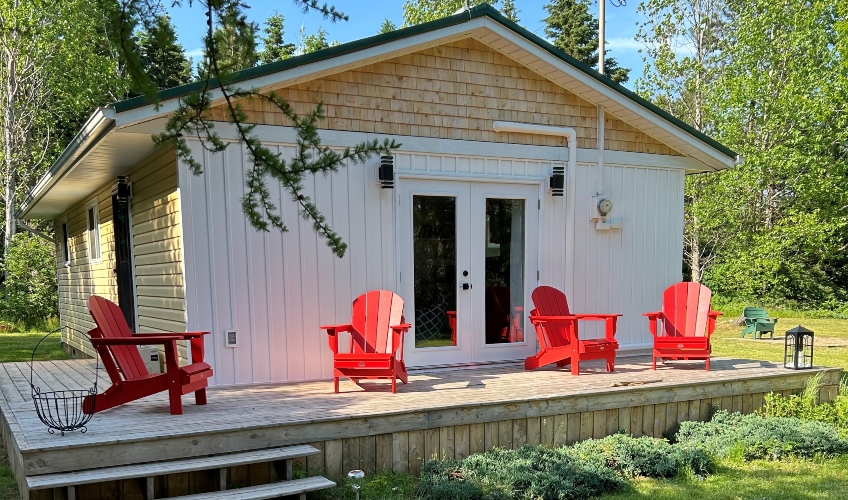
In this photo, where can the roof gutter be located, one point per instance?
(95, 128)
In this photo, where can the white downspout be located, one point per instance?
(528, 128)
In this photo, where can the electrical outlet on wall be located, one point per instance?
(231, 338)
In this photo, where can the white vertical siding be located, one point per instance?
(617, 271)
(277, 289)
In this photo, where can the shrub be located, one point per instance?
(29, 291)
(531, 472)
(647, 456)
(753, 436)
(805, 407)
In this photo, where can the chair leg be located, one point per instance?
(172, 371)
(394, 384)
(575, 365)
(200, 397)
(654, 359)
(708, 363)
(610, 364)
(336, 384)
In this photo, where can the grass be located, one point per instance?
(726, 342)
(758, 480)
(19, 347)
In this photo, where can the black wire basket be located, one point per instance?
(64, 410)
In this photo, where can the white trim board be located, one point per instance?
(279, 135)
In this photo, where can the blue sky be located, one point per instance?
(366, 17)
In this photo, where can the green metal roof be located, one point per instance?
(482, 10)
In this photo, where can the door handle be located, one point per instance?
(466, 286)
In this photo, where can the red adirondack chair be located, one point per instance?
(376, 340)
(559, 341)
(688, 322)
(117, 347)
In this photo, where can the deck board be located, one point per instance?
(433, 398)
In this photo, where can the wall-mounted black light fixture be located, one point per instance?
(386, 172)
(558, 181)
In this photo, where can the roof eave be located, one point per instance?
(95, 128)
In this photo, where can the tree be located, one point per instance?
(422, 11)
(54, 63)
(315, 41)
(274, 47)
(227, 45)
(29, 292)
(387, 27)
(234, 40)
(510, 11)
(683, 57)
(575, 30)
(161, 55)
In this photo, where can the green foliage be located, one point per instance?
(752, 437)
(377, 486)
(234, 41)
(274, 46)
(510, 11)
(30, 293)
(422, 11)
(536, 473)
(161, 55)
(575, 30)
(646, 456)
(387, 27)
(315, 41)
(805, 407)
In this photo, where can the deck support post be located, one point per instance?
(72, 493)
(150, 488)
(223, 478)
(289, 473)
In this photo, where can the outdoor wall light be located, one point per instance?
(355, 478)
(558, 181)
(386, 172)
(798, 349)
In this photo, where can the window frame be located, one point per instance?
(93, 233)
(65, 242)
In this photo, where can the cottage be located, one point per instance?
(519, 166)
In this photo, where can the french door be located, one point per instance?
(468, 262)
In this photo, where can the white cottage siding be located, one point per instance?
(277, 289)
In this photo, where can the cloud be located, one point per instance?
(623, 44)
(196, 53)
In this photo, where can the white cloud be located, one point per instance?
(623, 44)
(196, 53)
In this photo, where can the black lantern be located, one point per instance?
(557, 181)
(386, 172)
(798, 349)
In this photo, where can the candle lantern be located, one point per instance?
(798, 348)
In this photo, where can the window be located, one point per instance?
(93, 217)
(66, 243)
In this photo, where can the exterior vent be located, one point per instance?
(231, 338)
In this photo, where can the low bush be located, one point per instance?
(647, 456)
(29, 292)
(805, 407)
(529, 473)
(753, 436)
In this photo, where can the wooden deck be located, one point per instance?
(448, 412)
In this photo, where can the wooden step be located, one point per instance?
(264, 491)
(151, 469)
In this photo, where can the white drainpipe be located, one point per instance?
(528, 128)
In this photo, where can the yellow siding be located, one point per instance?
(453, 91)
(157, 252)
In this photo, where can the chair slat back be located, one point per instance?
(755, 313)
(111, 324)
(552, 302)
(373, 313)
(686, 307)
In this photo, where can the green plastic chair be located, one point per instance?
(758, 322)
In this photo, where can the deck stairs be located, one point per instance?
(283, 456)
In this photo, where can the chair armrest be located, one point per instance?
(177, 336)
(552, 319)
(653, 315)
(141, 340)
(334, 329)
(715, 314)
(653, 319)
(596, 316)
(401, 328)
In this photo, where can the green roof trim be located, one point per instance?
(482, 10)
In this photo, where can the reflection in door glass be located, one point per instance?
(434, 254)
(504, 271)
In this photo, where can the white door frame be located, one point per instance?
(471, 195)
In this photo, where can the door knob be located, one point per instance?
(466, 286)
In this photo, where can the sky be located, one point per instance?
(366, 16)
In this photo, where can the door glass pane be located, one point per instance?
(504, 271)
(434, 254)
